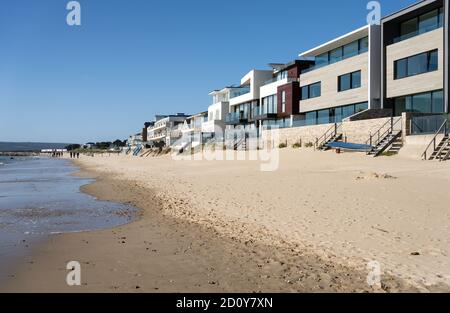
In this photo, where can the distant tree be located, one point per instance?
(119, 143)
(73, 147)
(103, 145)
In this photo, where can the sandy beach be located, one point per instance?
(225, 226)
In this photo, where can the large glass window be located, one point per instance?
(315, 90)
(305, 92)
(349, 81)
(401, 69)
(422, 103)
(408, 28)
(310, 118)
(311, 91)
(361, 107)
(417, 64)
(364, 45)
(322, 59)
(356, 79)
(430, 102)
(336, 55)
(428, 21)
(421, 24)
(345, 82)
(438, 102)
(323, 116)
(283, 101)
(347, 111)
(351, 49)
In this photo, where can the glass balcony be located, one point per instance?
(236, 118)
(276, 79)
(239, 92)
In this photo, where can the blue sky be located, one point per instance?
(131, 59)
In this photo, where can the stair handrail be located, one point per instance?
(444, 127)
(381, 135)
(327, 135)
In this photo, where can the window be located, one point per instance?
(322, 59)
(438, 102)
(345, 82)
(323, 116)
(400, 69)
(311, 118)
(356, 79)
(428, 21)
(283, 101)
(311, 91)
(334, 115)
(349, 81)
(351, 49)
(409, 28)
(305, 93)
(363, 45)
(315, 90)
(336, 55)
(430, 102)
(417, 64)
(421, 24)
(269, 105)
(344, 52)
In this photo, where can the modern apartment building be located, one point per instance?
(245, 98)
(415, 58)
(192, 129)
(280, 96)
(343, 80)
(218, 111)
(166, 129)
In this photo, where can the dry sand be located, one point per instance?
(312, 225)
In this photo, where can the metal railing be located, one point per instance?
(386, 129)
(328, 135)
(442, 130)
(288, 79)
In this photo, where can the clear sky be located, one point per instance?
(131, 59)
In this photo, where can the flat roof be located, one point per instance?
(337, 42)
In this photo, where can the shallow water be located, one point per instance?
(39, 197)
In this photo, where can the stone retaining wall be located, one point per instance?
(355, 132)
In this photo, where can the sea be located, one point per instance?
(40, 197)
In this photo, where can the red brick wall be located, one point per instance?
(292, 99)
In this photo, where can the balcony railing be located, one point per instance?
(276, 79)
(240, 92)
(236, 118)
(416, 33)
(260, 114)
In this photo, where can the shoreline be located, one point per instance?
(196, 258)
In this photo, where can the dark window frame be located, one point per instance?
(308, 87)
(340, 89)
(407, 59)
